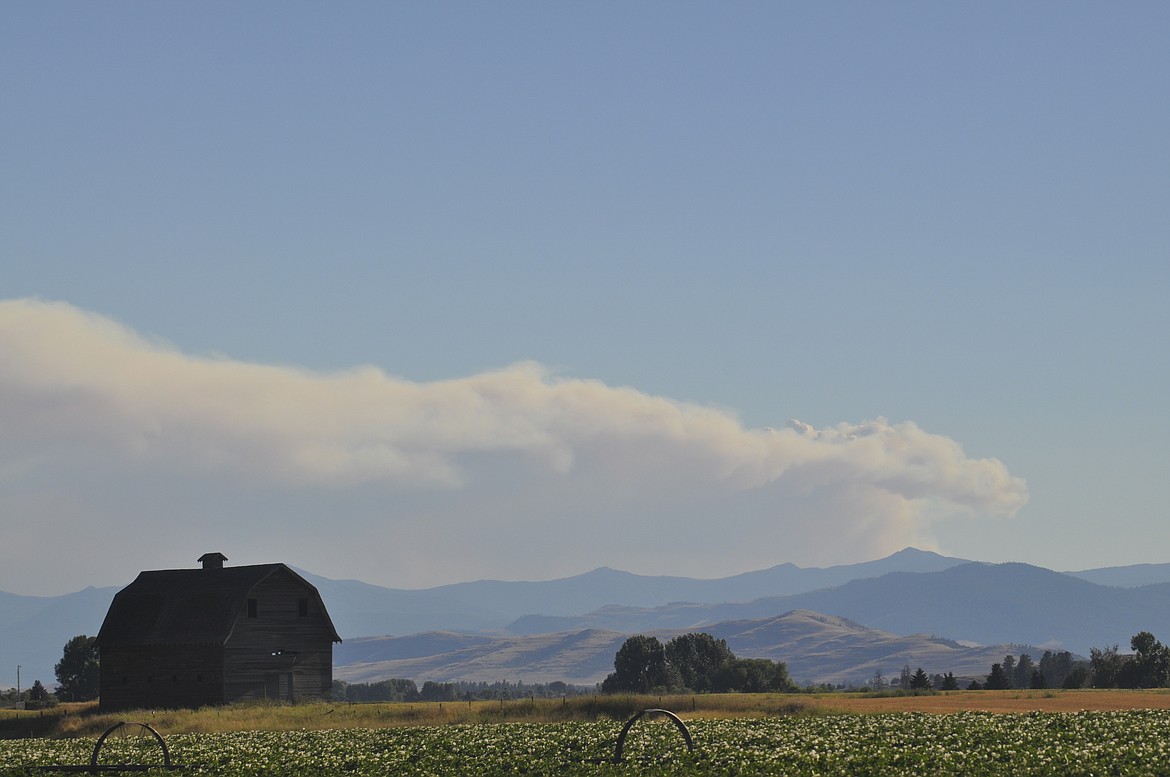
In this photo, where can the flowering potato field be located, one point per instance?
(1084, 743)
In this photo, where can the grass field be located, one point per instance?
(84, 720)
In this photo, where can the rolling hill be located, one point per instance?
(1130, 576)
(816, 647)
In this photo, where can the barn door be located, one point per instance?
(272, 686)
(278, 686)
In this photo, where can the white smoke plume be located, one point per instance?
(76, 387)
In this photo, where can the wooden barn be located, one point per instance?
(194, 637)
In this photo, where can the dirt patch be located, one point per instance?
(1003, 701)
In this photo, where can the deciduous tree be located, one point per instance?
(754, 675)
(639, 666)
(1079, 677)
(1150, 665)
(697, 658)
(905, 677)
(78, 670)
(432, 691)
(1105, 664)
(1056, 667)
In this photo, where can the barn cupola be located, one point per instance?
(212, 560)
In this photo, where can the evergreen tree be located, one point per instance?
(920, 682)
(1022, 674)
(1009, 670)
(38, 692)
(998, 679)
(949, 683)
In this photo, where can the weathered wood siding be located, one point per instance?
(281, 653)
(161, 677)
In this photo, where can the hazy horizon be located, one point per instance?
(570, 575)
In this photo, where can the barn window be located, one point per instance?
(303, 608)
(252, 608)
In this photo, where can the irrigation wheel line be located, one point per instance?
(93, 767)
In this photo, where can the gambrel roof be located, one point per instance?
(190, 606)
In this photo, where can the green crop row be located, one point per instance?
(1083, 743)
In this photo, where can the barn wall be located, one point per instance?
(280, 654)
(161, 677)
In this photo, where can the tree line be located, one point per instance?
(1055, 670)
(407, 690)
(1148, 666)
(695, 662)
(38, 694)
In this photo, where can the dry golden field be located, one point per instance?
(1000, 701)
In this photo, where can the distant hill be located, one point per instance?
(580, 658)
(910, 592)
(816, 647)
(362, 609)
(982, 603)
(1126, 577)
(827, 649)
(36, 628)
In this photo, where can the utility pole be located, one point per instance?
(18, 682)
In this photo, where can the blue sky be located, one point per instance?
(548, 279)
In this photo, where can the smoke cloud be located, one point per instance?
(519, 448)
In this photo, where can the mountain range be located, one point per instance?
(973, 602)
(359, 608)
(493, 630)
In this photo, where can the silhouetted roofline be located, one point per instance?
(189, 606)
